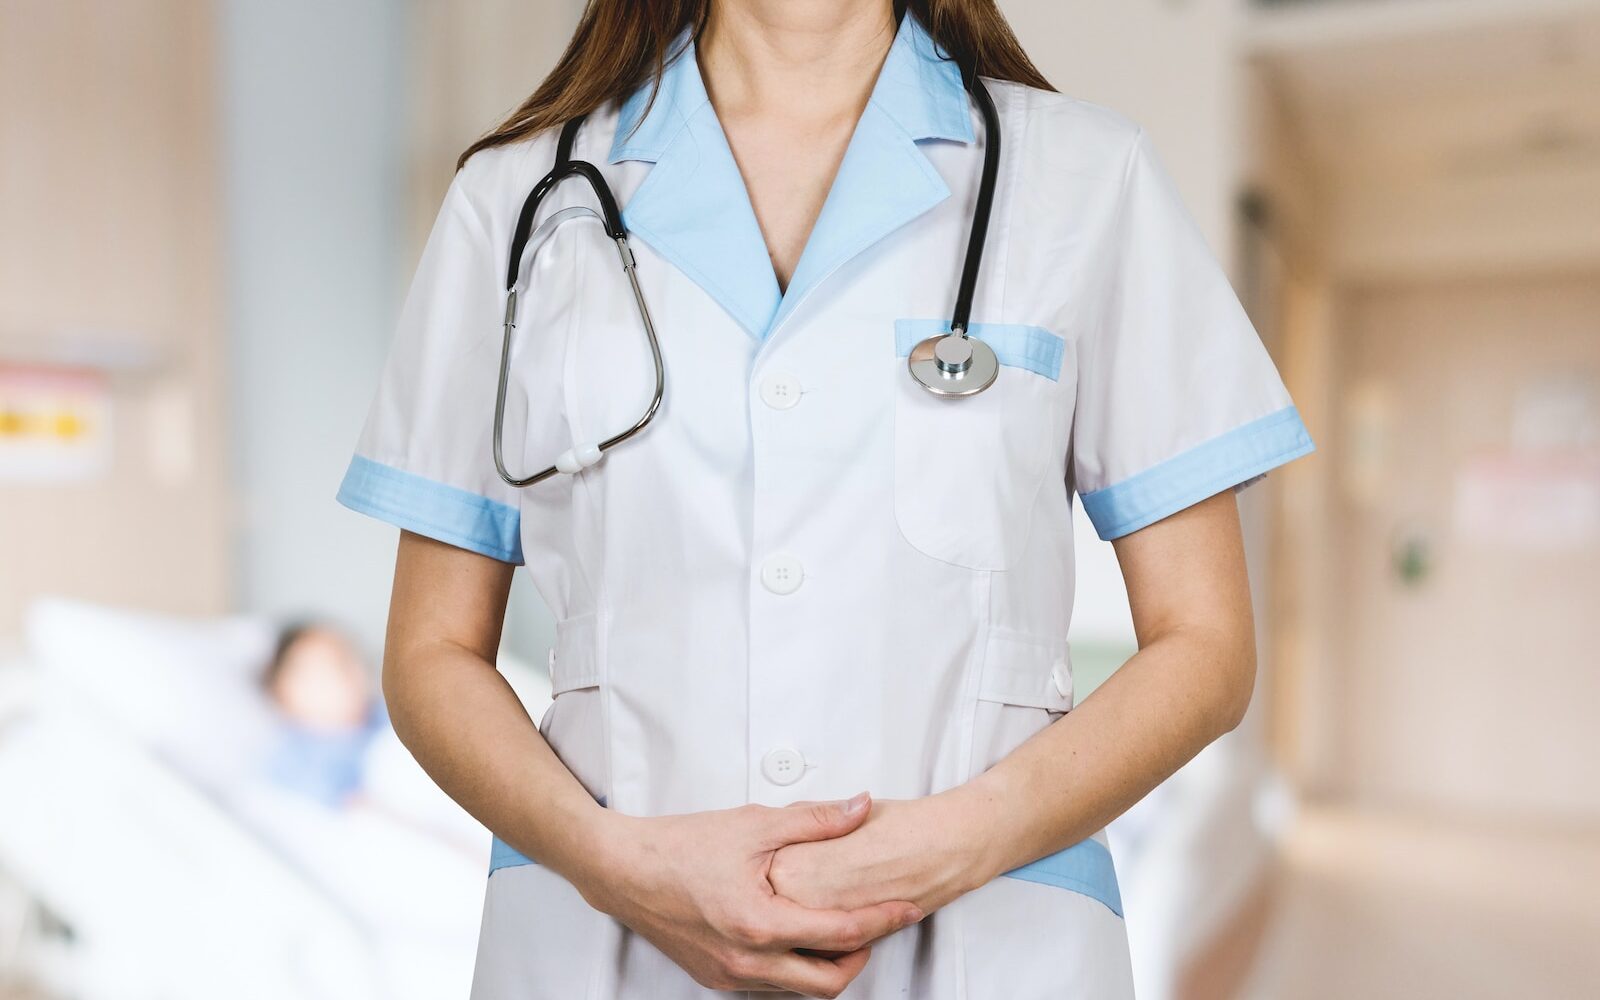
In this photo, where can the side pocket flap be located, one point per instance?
(1027, 670)
(574, 662)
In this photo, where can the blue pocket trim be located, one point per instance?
(1205, 470)
(1030, 347)
(1083, 868)
(454, 516)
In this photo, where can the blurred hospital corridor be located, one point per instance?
(1380, 903)
(1435, 643)
(209, 211)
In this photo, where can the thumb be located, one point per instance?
(808, 821)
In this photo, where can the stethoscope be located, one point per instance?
(950, 365)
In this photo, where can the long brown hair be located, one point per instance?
(620, 44)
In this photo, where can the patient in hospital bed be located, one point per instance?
(332, 745)
(231, 757)
(327, 710)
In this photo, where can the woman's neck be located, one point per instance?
(810, 61)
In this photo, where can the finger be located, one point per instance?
(796, 926)
(813, 977)
(815, 821)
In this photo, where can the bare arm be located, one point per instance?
(694, 885)
(458, 716)
(1189, 683)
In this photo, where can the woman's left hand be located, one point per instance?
(928, 851)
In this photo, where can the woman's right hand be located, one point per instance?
(696, 887)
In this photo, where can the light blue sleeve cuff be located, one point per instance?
(1230, 459)
(450, 515)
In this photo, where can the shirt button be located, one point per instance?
(780, 391)
(783, 766)
(782, 574)
(1061, 673)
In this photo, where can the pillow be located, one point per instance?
(189, 688)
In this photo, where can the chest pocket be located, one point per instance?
(968, 470)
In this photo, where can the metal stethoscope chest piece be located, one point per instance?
(950, 365)
(953, 364)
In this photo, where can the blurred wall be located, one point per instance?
(110, 263)
(1468, 574)
(313, 139)
(471, 63)
(344, 122)
(1170, 65)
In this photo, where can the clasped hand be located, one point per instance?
(772, 899)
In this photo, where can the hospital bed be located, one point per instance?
(126, 809)
(129, 811)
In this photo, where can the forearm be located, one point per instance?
(1175, 696)
(468, 730)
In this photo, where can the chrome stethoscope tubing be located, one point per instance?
(580, 456)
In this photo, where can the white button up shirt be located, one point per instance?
(808, 576)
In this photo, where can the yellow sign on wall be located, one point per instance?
(55, 424)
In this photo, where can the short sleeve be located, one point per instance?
(1177, 399)
(424, 461)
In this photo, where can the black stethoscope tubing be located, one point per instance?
(950, 365)
(988, 180)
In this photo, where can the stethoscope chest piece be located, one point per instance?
(952, 364)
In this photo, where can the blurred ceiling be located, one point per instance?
(1455, 99)
(1417, 108)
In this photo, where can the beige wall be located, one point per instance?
(471, 63)
(1174, 68)
(109, 222)
(1475, 688)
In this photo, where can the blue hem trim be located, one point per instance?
(503, 855)
(1031, 347)
(1084, 867)
(1230, 459)
(454, 516)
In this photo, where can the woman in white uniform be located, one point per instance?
(814, 726)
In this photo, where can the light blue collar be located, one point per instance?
(693, 209)
(917, 87)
